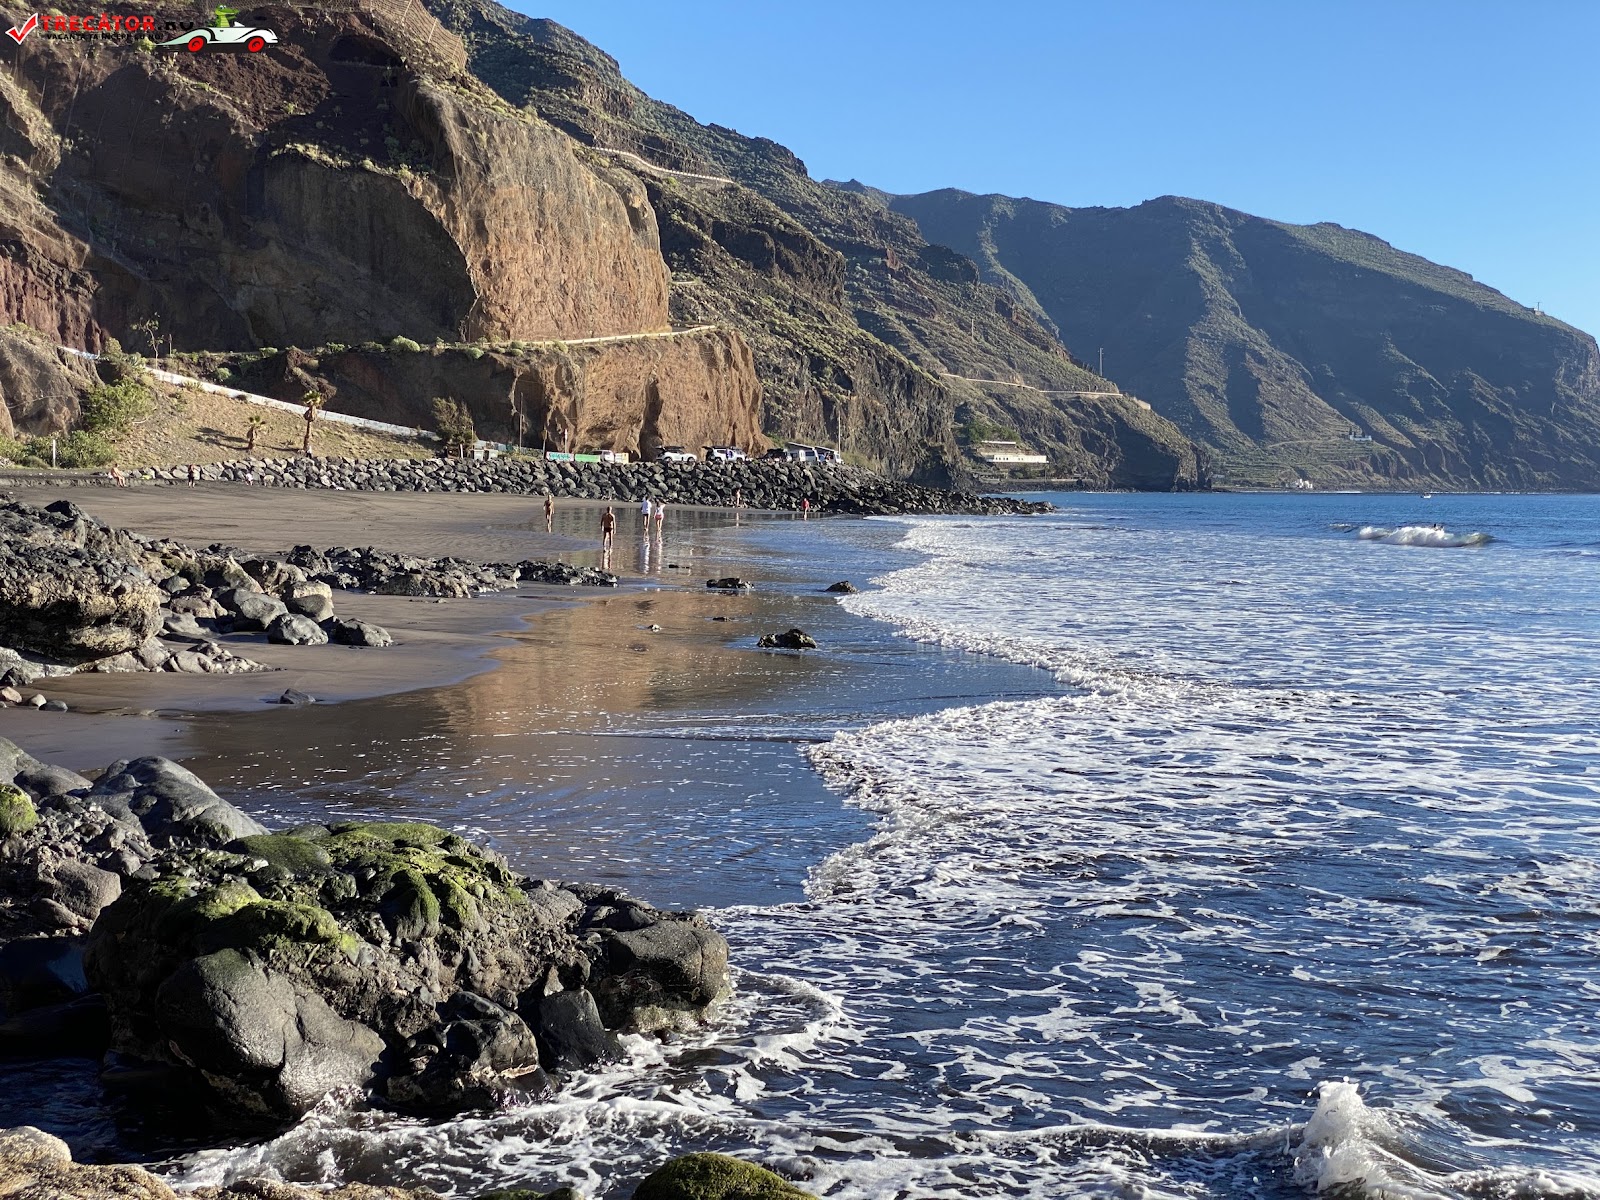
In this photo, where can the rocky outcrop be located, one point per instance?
(354, 182)
(262, 970)
(1271, 343)
(70, 588)
(691, 389)
(40, 385)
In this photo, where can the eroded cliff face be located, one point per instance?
(854, 318)
(354, 182)
(40, 385)
(692, 389)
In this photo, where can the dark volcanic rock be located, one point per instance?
(843, 587)
(360, 633)
(729, 583)
(792, 639)
(395, 957)
(70, 588)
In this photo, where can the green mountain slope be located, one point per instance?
(860, 327)
(1271, 344)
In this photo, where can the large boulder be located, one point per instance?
(172, 804)
(400, 957)
(292, 629)
(251, 610)
(70, 596)
(360, 633)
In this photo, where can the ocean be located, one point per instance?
(1167, 846)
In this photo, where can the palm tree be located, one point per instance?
(313, 400)
(257, 420)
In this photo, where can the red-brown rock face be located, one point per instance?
(353, 182)
(692, 389)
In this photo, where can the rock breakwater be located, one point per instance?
(761, 485)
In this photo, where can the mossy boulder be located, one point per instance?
(17, 813)
(716, 1177)
(401, 940)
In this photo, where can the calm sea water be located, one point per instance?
(1264, 864)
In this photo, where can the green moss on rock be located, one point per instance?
(17, 813)
(288, 852)
(716, 1177)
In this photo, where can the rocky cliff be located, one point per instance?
(695, 388)
(858, 324)
(354, 181)
(1274, 344)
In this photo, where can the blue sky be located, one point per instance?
(1467, 132)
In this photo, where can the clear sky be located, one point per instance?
(1467, 131)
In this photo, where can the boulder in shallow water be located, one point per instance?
(729, 583)
(844, 588)
(792, 639)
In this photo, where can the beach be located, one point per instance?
(1063, 865)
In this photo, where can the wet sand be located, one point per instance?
(438, 642)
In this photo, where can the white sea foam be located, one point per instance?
(1288, 814)
(1422, 535)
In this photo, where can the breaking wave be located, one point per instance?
(1422, 535)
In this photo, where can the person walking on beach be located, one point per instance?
(549, 512)
(194, 475)
(608, 528)
(738, 497)
(645, 510)
(661, 516)
(805, 508)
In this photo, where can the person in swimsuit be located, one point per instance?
(549, 512)
(608, 528)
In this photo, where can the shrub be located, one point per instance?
(406, 344)
(110, 409)
(11, 449)
(82, 448)
(115, 366)
(221, 375)
(474, 352)
(454, 423)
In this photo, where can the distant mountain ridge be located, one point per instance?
(1275, 345)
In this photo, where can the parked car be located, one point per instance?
(725, 454)
(675, 454)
